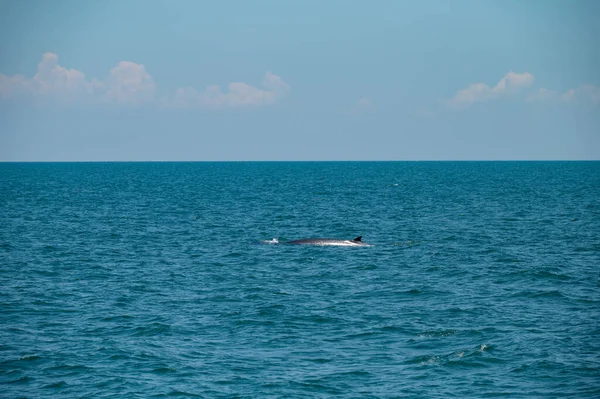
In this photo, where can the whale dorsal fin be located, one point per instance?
(359, 239)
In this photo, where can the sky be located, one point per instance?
(151, 80)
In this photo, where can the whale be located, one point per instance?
(330, 242)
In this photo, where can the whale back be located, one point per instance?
(329, 242)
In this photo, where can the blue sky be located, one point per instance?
(299, 80)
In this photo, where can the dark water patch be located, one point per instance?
(118, 319)
(314, 386)
(163, 370)
(22, 362)
(185, 394)
(29, 358)
(120, 356)
(319, 360)
(594, 248)
(20, 381)
(56, 385)
(272, 311)
(151, 329)
(50, 248)
(68, 369)
(4, 246)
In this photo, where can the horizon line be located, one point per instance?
(302, 161)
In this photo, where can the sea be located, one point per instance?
(167, 279)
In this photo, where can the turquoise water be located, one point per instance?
(150, 280)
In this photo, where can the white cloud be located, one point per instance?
(511, 83)
(275, 84)
(129, 83)
(53, 79)
(583, 94)
(50, 80)
(238, 94)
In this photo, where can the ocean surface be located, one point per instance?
(139, 280)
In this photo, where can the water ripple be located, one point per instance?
(150, 280)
